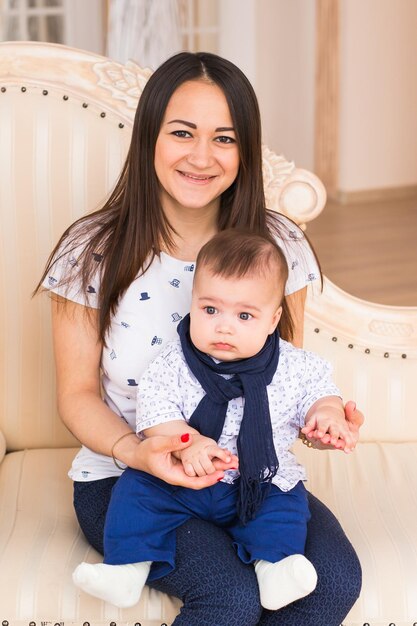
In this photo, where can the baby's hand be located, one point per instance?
(326, 423)
(204, 456)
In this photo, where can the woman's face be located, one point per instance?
(196, 154)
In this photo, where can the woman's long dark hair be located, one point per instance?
(131, 226)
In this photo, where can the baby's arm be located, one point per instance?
(325, 421)
(203, 456)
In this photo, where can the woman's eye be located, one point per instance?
(210, 310)
(183, 134)
(245, 316)
(224, 139)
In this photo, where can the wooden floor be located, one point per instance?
(370, 250)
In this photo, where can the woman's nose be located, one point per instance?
(201, 155)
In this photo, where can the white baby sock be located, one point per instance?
(120, 585)
(284, 582)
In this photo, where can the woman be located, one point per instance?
(122, 279)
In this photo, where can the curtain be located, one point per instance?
(145, 31)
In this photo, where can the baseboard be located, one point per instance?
(374, 195)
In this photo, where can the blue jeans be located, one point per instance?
(217, 589)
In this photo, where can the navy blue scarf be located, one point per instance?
(258, 461)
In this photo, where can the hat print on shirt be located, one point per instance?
(144, 296)
(176, 317)
(175, 282)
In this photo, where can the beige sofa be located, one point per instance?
(65, 120)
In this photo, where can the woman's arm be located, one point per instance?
(77, 351)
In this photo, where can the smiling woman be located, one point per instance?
(196, 157)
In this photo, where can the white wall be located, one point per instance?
(378, 118)
(86, 26)
(285, 77)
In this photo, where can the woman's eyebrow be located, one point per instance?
(221, 129)
(190, 124)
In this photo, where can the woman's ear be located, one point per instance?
(275, 320)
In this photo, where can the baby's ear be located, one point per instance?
(275, 320)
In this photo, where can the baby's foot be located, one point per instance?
(120, 585)
(285, 581)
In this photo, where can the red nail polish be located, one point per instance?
(185, 437)
(219, 479)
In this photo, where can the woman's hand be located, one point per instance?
(154, 456)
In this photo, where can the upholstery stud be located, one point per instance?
(102, 114)
(23, 89)
(65, 97)
(45, 92)
(3, 89)
(85, 105)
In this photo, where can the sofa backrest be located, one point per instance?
(373, 350)
(65, 123)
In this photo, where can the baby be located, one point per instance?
(242, 395)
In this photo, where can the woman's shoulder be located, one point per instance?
(65, 269)
(303, 267)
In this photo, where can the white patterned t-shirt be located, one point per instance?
(169, 391)
(145, 321)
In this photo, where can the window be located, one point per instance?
(199, 22)
(34, 20)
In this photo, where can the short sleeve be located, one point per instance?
(159, 399)
(302, 265)
(317, 383)
(64, 275)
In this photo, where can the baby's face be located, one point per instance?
(231, 318)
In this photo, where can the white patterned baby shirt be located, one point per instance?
(169, 391)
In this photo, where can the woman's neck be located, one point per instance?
(193, 229)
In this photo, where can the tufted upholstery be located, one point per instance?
(65, 121)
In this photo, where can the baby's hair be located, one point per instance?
(235, 253)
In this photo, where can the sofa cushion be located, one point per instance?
(40, 545)
(373, 494)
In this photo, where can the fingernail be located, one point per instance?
(219, 479)
(233, 468)
(185, 437)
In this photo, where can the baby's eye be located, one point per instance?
(210, 310)
(183, 134)
(245, 316)
(225, 139)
